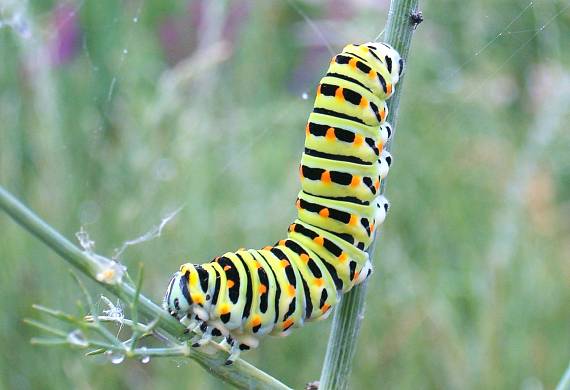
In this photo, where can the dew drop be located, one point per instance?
(125, 51)
(304, 96)
(136, 19)
(77, 339)
(117, 357)
(145, 358)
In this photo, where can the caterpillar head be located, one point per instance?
(176, 298)
(390, 57)
(188, 292)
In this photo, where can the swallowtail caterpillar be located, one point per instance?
(244, 295)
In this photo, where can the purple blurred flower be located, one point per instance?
(67, 34)
(237, 15)
(180, 34)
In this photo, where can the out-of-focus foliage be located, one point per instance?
(115, 113)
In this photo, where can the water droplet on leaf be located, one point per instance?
(77, 339)
(115, 357)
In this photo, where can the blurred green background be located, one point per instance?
(113, 114)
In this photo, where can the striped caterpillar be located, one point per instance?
(244, 295)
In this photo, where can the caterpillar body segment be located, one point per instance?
(244, 295)
(354, 220)
(344, 99)
(341, 258)
(347, 179)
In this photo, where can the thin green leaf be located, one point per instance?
(48, 341)
(45, 327)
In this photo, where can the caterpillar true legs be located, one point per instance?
(244, 295)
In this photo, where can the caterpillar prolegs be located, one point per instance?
(244, 295)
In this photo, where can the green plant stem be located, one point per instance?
(240, 374)
(564, 383)
(349, 313)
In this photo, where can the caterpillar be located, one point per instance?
(244, 295)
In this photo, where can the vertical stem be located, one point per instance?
(403, 18)
(564, 383)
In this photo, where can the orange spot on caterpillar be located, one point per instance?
(319, 282)
(353, 220)
(356, 275)
(255, 321)
(319, 90)
(363, 102)
(358, 140)
(230, 283)
(292, 227)
(380, 146)
(325, 308)
(324, 213)
(343, 257)
(197, 298)
(285, 263)
(224, 309)
(301, 172)
(257, 264)
(281, 242)
(389, 89)
(355, 182)
(291, 290)
(372, 74)
(377, 184)
(262, 289)
(330, 134)
(383, 114)
(227, 267)
(307, 131)
(288, 323)
(298, 203)
(319, 240)
(304, 258)
(339, 95)
(372, 226)
(352, 63)
(266, 248)
(326, 177)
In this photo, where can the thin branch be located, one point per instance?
(403, 18)
(109, 274)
